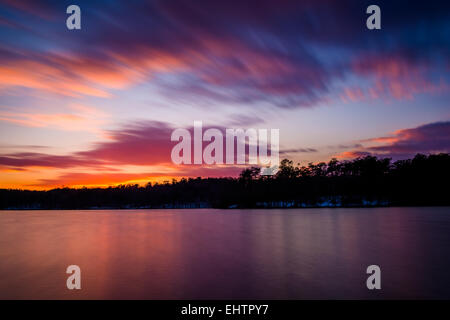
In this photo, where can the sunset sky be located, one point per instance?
(96, 106)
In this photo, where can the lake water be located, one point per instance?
(232, 254)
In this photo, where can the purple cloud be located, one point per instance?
(406, 143)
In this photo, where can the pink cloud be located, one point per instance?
(78, 118)
(405, 143)
(140, 144)
(394, 76)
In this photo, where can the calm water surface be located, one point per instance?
(214, 254)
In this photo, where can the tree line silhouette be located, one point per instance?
(365, 181)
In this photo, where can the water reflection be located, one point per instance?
(213, 254)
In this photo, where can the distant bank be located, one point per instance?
(362, 182)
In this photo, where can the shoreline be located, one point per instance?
(224, 208)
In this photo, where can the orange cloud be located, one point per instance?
(36, 75)
(382, 139)
(105, 179)
(351, 154)
(76, 75)
(82, 118)
(80, 179)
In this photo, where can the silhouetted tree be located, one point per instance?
(422, 180)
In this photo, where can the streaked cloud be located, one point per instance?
(78, 118)
(278, 57)
(296, 150)
(405, 143)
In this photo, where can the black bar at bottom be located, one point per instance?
(226, 309)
